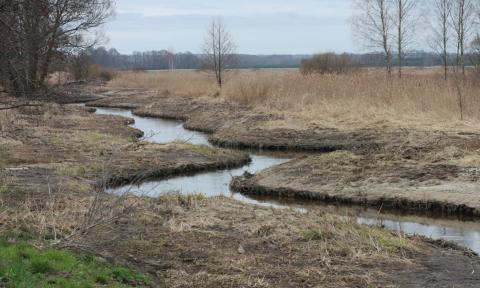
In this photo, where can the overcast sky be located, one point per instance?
(257, 26)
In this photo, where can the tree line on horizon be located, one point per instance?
(159, 60)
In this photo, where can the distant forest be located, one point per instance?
(164, 60)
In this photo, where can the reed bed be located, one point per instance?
(421, 96)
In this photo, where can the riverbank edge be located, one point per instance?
(163, 174)
(246, 185)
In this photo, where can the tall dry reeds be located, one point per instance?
(187, 83)
(421, 95)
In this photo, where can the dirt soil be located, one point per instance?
(393, 167)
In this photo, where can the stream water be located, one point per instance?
(465, 233)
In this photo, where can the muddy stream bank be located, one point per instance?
(463, 232)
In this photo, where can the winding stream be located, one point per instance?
(464, 233)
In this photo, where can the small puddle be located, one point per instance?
(464, 233)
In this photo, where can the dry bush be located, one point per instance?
(97, 72)
(81, 68)
(328, 63)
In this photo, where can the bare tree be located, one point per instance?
(34, 33)
(373, 24)
(442, 12)
(463, 21)
(218, 49)
(405, 22)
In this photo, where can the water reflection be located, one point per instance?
(159, 130)
(458, 232)
(209, 184)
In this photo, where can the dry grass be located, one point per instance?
(421, 97)
(236, 245)
(184, 83)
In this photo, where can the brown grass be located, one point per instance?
(183, 83)
(421, 97)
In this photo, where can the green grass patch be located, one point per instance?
(311, 234)
(24, 266)
(382, 239)
(76, 170)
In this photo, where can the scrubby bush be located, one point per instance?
(105, 74)
(81, 68)
(328, 63)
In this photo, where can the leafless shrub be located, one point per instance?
(82, 68)
(328, 63)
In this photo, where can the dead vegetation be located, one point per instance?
(420, 98)
(218, 242)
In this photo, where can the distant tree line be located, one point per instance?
(159, 60)
(150, 60)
